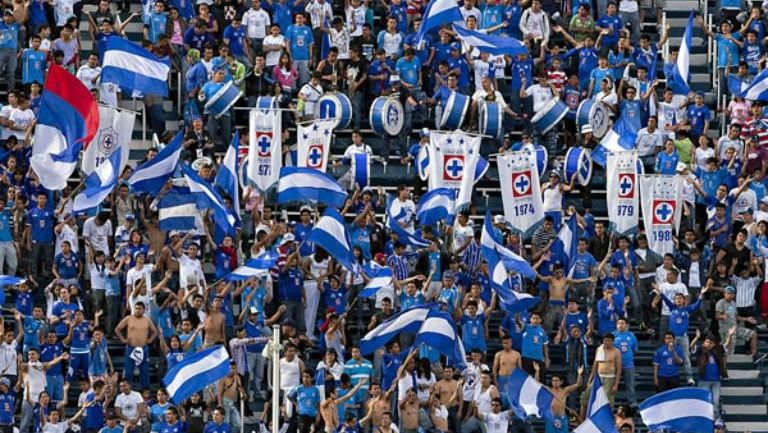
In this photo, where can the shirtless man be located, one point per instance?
(438, 414)
(608, 366)
(504, 363)
(378, 404)
(447, 390)
(409, 412)
(329, 407)
(560, 422)
(229, 388)
(214, 324)
(558, 285)
(140, 333)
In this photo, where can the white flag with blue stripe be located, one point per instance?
(195, 372)
(528, 397)
(599, 414)
(403, 236)
(439, 332)
(208, 198)
(330, 233)
(437, 13)
(496, 45)
(226, 177)
(406, 321)
(680, 77)
(132, 67)
(99, 183)
(757, 90)
(255, 267)
(564, 248)
(177, 210)
(382, 277)
(511, 260)
(302, 184)
(620, 138)
(436, 206)
(150, 176)
(680, 410)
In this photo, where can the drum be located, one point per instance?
(334, 106)
(491, 116)
(578, 162)
(455, 110)
(266, 103)
(640, 167)
(387, 116)
(542, 158)
(596, 114)
(223, 100)
(550, 115)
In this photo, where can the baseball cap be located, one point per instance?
(173, 233)
(288, 237)
(586, 128)
(719, 424)
(498, 219)
(8, 12)
(305, 208)
(130, 217)
(424, 132)
(394, 78)
(746, 211)
(456, 46)
(447, 275)
(379, 257)
(681, 166)
(729, 289)
(5, 381)
(764, 200)
(289, 322)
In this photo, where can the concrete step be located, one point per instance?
(745, 409)
(743, 374)
(754, 427)
(681, 5)
(741, 391)
(739, 358)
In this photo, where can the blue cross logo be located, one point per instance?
(663, 212)
(454, 168)
(315, 155)
(264, 145)
(522, 184)
(625, 187)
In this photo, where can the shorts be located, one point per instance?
(659, 4)
(741, 332)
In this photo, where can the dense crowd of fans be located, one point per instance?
(111, 276)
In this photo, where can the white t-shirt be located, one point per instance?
(648, 142)
(5, 112)
(257, 22)
(670, 290)
(98, 235)
(356, 16)
(59, 427)
(134, 275)
(68, 234)
(273, 57)
(63, 9)
(340, 40)
(129, 404)
(21, 119)
(86, 74)
(701, 155)
(496, 422)
(408, 209)
(541, 96)
(35, 380)
(311, 95)
(108, 94)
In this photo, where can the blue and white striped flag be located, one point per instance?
(437, 13)
(599, 414)
(564, 248)
(680, 76)
(130, 66)
(196, 372)
(758, 90)
(529, 397)
(621, 137)
(208, 198)
(226, 178)
(302, 184)
(381, 278)
(406, 321)
(150, 176)
(439, 332)
(360, 164)
(403, 236)
(437, 205)
(330, 233)
(178, 210)
(511, 260)
(254, 267)
(496, 45)
(99, 183)
(680, 410)
(11, 280)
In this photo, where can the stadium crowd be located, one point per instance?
(110, 277)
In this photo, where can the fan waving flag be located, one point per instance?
(99, 183)
(439, 332)
(68, 118)
(599, 413)
(510, 259)
(226, 177)
(529, 397)
(437, 205)
(564, 248)
(195, 372)
(331, 234)
(403, 236)
(381, 278)
(620, 138)
(208, 198)
(150, 176)
(437, 13)
(680, 410)
(406, 321)
(496, 45)
(132, 67)
(304, 184)
(254, 267)
(680, 77)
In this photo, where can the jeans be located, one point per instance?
(41, 256)
(8, 258)
(232, 413)
(27, 414)
(633, 19)
(97, 300)
(295, 310)
(256, 47)
(221, 127)
(8, 58)
(255, 372)
(113, 314)
(54, 386)
(78, 366)
(683, 342)
(628, 377)
(714, 387)
(358, 101)
(143, 367)
(302, 67)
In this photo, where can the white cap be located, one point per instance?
(681, 166)
(288, 237)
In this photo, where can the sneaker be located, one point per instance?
(691, 382)
(762, 326)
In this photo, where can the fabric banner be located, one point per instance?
(265, 148)
(521, 191)
(314, 144)
(662, 209)
(449, 154)
(622, 194)
(115, 132)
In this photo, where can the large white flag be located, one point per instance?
(314, 144)
(520, 191)
(662, 208)
(622, 191)
(451, 154)
(265, 148)
(115, 132)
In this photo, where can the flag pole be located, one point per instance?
(120, 109)
(275, 358)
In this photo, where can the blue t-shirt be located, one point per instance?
(582, 264)
(752, 53)
(7, 404)
(336, 299)
(301, 231)
(667, 163)
(47, 353)
(81, 338)
(389, 372)
(666, 361)
(63, 311)
(236, 38)
(727, 50)
(578, 319)
(157, 414)
(33, 66)
(626, 342)
(711, 369)
(23, 303)
(290, 284)
(156, 23)
(697, 116)
(31, 328)
(473, 332)
(94, 415)
(212, 427)
(179, 427)
(299, 38)
(41, 221)
(610, 22)
(66, 265)
(409, 70)
(307, 399)
(9, 36)
(533, 342)
(399, 12)
(597, 76)
(461, 64)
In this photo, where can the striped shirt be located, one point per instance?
(237, 348)
(745, 290)
(755, 127)
(471, 258)
(358, 370)
(399, 266)
(542, 237)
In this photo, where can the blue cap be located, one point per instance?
(447, 275)
(456, 46)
